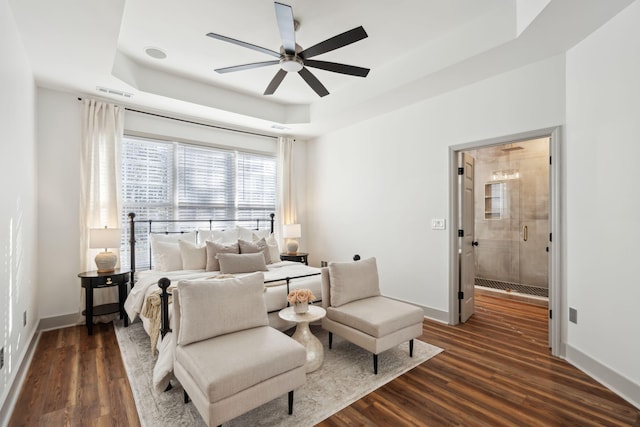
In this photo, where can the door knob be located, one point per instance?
(474, 243)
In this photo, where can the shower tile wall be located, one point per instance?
(502, 254)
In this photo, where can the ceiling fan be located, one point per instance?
(292, 58)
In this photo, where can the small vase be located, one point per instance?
(301, 307)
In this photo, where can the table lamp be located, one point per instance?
(105, 238)
(292, 232)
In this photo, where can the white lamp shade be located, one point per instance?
(292, 231)
(104, 238)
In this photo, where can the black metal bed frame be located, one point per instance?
(165, 282)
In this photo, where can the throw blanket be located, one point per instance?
(152, 311)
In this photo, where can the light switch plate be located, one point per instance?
(438, 224)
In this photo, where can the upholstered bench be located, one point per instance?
(227, 358)
(357, 312)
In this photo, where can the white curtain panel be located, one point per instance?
(100, 202)
(285, 204)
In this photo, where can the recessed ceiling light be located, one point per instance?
(155, 52)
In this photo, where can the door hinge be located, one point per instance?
(550, 160)
(550, 314)
(460, 171)
(551, 237)
(460, 233)
(460, 295)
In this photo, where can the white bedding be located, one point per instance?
(275, 298)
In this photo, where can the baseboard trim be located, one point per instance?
(57, 322)
(6, 410)
(431, 313)
(606, 376)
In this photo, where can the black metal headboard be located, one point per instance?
(211, 222)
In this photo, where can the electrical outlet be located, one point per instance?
(573, 315)
(1, 357)
(24, 318)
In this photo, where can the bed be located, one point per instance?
(175, 248)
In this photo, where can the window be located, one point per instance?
(171, 180)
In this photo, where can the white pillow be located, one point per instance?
(193, 257)
(245, 233)
(209, 308)
(155, 238)
(351, 281)
(274, 249)
(225, 236)
(166, 257)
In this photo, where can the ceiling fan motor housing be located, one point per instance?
(291, 63)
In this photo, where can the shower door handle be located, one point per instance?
(525, 233)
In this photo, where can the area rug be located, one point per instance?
(345, 376)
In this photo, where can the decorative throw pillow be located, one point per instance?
(274, 249)
(215, 248)
(351, 281)
(166, 257)
(247, 247)
(241, 263)
(209, 308)
(193, 257)
(155, 238)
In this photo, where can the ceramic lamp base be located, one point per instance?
(106, 262)
(292, 247)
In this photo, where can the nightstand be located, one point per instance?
(91, 280)
(297, 257)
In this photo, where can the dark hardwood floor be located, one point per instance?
(495, 371)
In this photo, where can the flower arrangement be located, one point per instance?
(300, 296)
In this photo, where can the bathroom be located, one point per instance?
(512, 220)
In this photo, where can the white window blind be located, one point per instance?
(171, 180)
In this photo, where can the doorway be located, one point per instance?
(511, 216)
(496, 202)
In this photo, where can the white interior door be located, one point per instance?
(466, 293)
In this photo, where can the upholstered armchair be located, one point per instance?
(227, 358)
(358, 313)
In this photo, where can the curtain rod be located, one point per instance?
(196, 123)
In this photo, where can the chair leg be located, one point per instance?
(330, 340)
(186, 397)
(411, 348)
(291, 402)
(375, 364)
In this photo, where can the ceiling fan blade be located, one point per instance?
(335, 42)
(284, 16)
(313, 82)
(275, 82)
(245, 66)
(243, 44)
(351, 70)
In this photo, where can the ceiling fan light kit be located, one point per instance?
(292, 58)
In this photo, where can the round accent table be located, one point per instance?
(302, 334)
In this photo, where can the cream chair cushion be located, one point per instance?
(258, 354)
(351, 281)
(210, 312)
(376, 316)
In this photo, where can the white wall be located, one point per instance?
(603, 221)
(59, 133)
(376, 186)
(17, 202)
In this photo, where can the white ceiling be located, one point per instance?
(416, 49)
